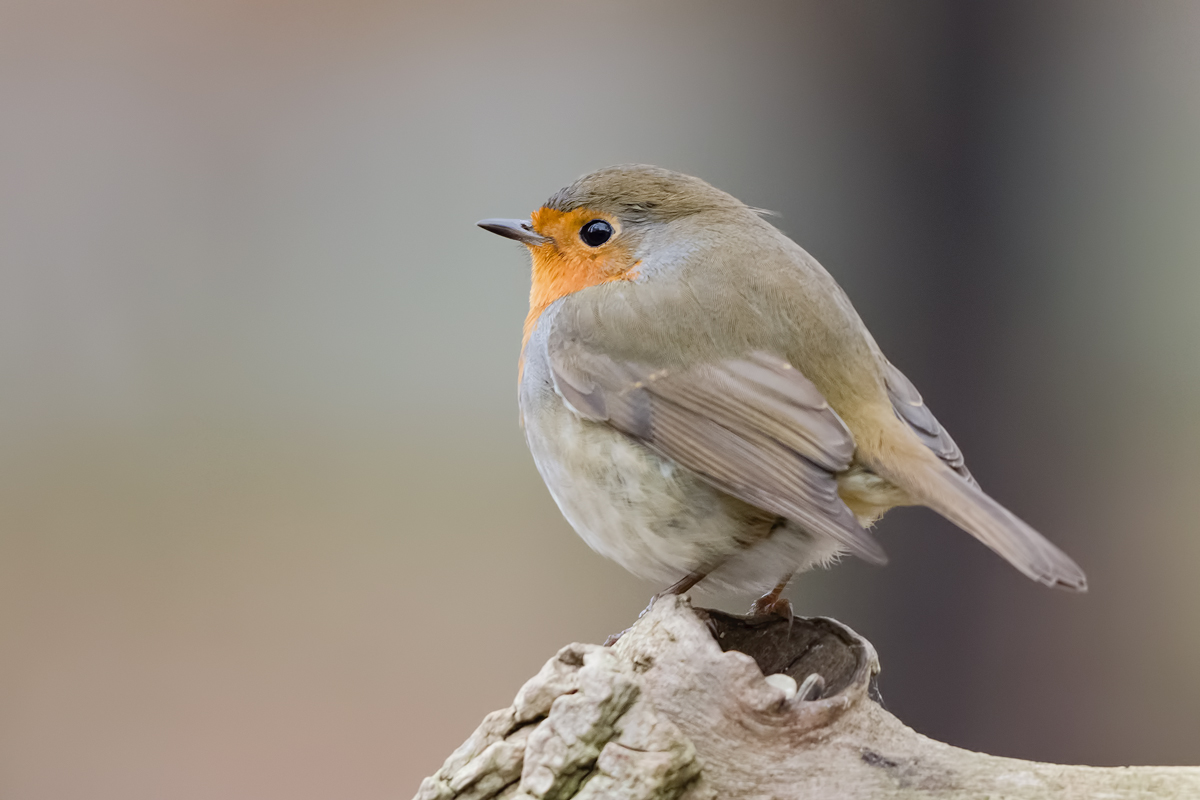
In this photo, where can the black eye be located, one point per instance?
(596, 233)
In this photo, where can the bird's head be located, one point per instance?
(603, 226)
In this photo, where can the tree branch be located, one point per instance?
(679, 708)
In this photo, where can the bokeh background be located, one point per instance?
(268, 528)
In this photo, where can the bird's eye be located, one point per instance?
(596, 233)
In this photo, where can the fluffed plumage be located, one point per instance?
(701, 397)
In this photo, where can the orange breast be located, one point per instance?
(564, 264)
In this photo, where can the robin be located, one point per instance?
(704, 403)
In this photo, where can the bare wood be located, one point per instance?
(679, 708)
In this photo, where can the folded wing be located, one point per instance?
(753, 427)
(910, 407)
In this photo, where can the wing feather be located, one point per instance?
(911, 409)
(753, 427)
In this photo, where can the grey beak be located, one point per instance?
(518, 229)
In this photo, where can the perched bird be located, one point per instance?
(704, 403)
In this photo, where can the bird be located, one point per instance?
(705, 404)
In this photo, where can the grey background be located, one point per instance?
(267, 523)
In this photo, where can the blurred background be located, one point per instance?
(268, 527)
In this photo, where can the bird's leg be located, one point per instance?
(678, 587)
(681, 586)
(773, 601)
(684, 584)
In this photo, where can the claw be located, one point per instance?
(773, 602)
(654, 600)
(613, 638)
(679, 587)
(776, 606)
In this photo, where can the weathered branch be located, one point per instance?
(679, 708)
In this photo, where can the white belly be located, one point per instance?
(653, 517)
(642, 511)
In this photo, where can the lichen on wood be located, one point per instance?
(690, 704)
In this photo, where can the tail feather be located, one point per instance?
(991, 523)
(930, 482)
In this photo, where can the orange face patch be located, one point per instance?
(565, 264)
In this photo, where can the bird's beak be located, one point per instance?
(518, 229)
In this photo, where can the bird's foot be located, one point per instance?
(615, 637)
(772, 604)
(679, 587)
(671, 592)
